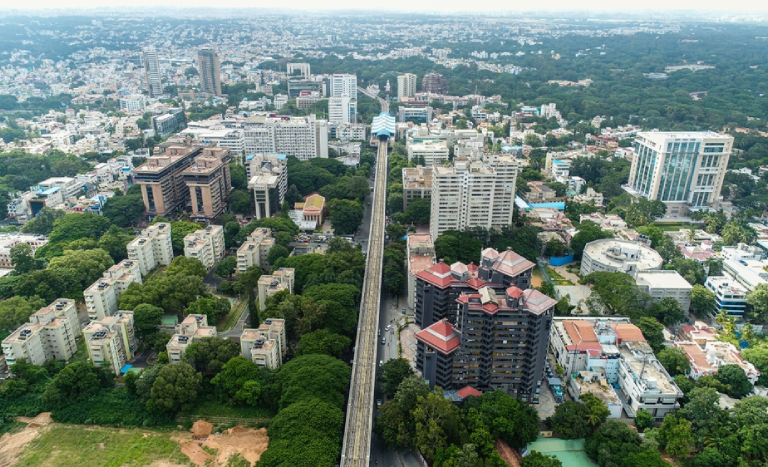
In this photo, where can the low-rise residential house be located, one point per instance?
(706, 359)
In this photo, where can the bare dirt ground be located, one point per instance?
(11, 445)
(250, 443)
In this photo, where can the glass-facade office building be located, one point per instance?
(684, 170)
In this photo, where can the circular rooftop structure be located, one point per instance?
(614, 255)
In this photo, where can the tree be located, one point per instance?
(179, 230)
(532, 140)
(45, 283)
(346, 216)
(588, 232)
(703, 301)
(358, 188)
(438, 423)
(226, 266)
(676, 433)
(311, 377)
(144, 384)
(758, 302)
(279, 251)
(124, 210)
(674, 360)
(78, 225)
(115, 242)
(214, 308)
(570, 420)
(598, 411)
(506, 417)
(645, 211)
(537, 459)
(22, 258)
(339, 302)
(78, 381)
(734, 377)
(176, 387)
(146, 319)
(554, 248)
(211, 353)
(668, 311)
(757, 356)
(81, 268)
(703, 408)
(322, 342)
(418, 211)
(42, 223)
(186, 266)
(311, 417)
(16, 311)
(240, 202)
(234, 376)
(643, 420)
(239, 179)
(613, 293)
(653, 331)
(392, 373)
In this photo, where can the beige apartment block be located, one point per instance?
(417, 183)
(274, 328)
(421, 255)
(25, 343)
(434, 152)
(209, 184)
(194, 327)
(280, 280)
(101, 298)
(206, 245)
(152, 248)
(121, 323)
(254, 251)
(260, 350)
(474, 192)
(105, 347)
(9, 240)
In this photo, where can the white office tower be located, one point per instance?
(685, 170)
(152, 69)
(344, 85)
(406, 86)
(474, 192)
(342, 110)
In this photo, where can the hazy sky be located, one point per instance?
(408, 5)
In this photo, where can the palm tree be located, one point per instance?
(747, 332)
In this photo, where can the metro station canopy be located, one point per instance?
(383, 126)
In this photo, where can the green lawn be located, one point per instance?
(81, 354)
(674, 227)
(68, 445)
(228, 322)
(216, 409)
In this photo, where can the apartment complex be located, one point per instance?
(154, 247)
(102, 297)
(162, 180)
(342, 109)
(168, 122)
(343, 84)
(205, 245)
(661, 284)
(685, 170)
(417, 183)
(152, 71)
(420, 256)
(270, 284)
(434, 83)
(473, 193)
(428, 153)
(302, 137)
(499, 342)
(49, 335)
(406, 86)
(193, 328)
(9, 240)
(111, 341)
(209, 184)
(615, 255)
(265, 346)
(254, 251)
(438, 286)
(268, 178)
(208, 69)
(615, 351)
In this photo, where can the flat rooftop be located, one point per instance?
(651, 369)
(662, 279)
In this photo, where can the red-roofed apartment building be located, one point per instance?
(438, 286)
(499, 342)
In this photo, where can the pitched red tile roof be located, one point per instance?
(467, 391)
(440, 336)
(536, 302)
(514, 292)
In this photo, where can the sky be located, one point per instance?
(732, 6)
